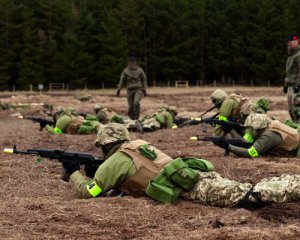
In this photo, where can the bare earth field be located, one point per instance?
(36, 204)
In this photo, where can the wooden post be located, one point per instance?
(30, 88)
(67, 87)
(215, 82)
(102, 86)
(14, 88)
(251, 82)
(268, 83)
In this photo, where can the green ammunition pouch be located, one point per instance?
(180, 174)
(148, 153)
(87, 127)
(162, 189)
(159, 118)
(90, 117)
(116, 119)
(199, 164)
(176, 177)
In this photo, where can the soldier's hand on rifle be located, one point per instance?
(71, 166)
(144, 92)
(221, 144)
(118, 93)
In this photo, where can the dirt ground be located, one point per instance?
(36, 204)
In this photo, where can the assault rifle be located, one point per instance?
(223, 142)
(227, 126)
(43, 122)
(90, 162)
(181, 122)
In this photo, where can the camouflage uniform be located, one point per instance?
(269, 136)
(106, 115)
(235, 107)
(163, 118)
(136, 82)
(70, 122)
(120, 166)
(214, 190)
(292, 82)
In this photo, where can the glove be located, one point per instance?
(71, 167)
(90, 170)
(221, 144)
(118, 93)
(145, 93)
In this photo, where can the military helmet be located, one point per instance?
(97, 106)
(170, 109)
(218, 96)
(257, 121)
(111, 133)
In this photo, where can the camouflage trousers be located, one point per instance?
(133, 98)
(150, 124)
(294, 103)
(214, 190)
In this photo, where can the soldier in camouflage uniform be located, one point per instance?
(106, 115)
(292, 80)
(134, 78)
(236, 107)
(163, 118)
(68, 121)
(136, 167)
(269, 136)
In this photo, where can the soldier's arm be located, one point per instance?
(224, 113)
(144, 79)
(169, 120)
(298, 68)
(115, 170)
(61, 124)
(261, 146)
(122, 80)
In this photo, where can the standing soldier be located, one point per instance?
(134, 78)
(292, 80)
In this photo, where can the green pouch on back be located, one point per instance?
(90, 117)
(159, 118)
(183, 176)
(199, 164)
(85, 128)
(116, 119)
(162, 189)
(146, 152)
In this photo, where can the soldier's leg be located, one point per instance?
(136, 103)
(285, 188)
(212, 189)
(290, 96)
(297, 107)
(130, 98)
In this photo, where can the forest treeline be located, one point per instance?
(87, 41)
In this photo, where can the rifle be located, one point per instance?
(181, 122)
(41, 121)
(90, 162)
(223, 142)
(227, 126)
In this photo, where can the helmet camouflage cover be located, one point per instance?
(257, 121)
(110, 133)
(218, 96)
(170, 109)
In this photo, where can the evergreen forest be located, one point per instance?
(87, 42)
